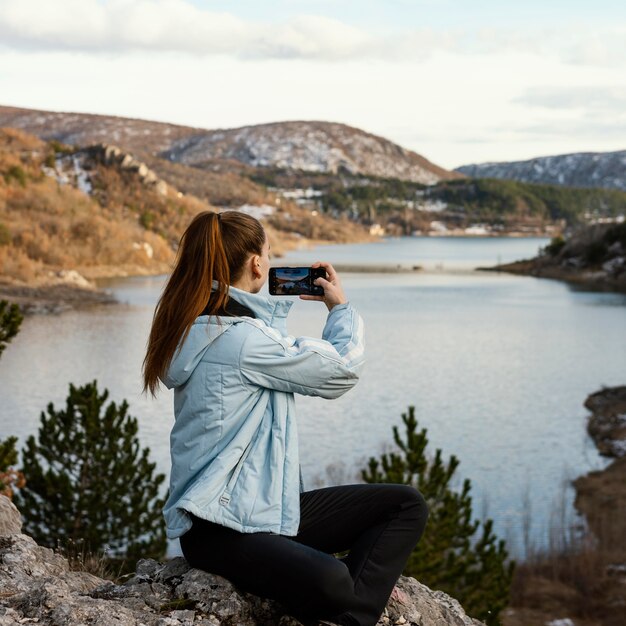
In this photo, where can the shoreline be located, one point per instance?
(81, 291)
(54, 298)
(590, 558)
(594, 280)
(601, 494)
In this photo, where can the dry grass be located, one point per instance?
(80, 559)
(124, 226)
(582, 573)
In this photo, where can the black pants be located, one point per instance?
(379, 524)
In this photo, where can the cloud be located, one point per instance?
(590, 99)
(175, 26)
(598, 131)
(178, 26)
(607, 48)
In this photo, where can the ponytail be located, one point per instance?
(214, 247)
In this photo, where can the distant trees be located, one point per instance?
(16, 173)
(455, 554)
(89, 483)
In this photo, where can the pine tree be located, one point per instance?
(9, 477)
(454, 555)
(10, 320)
(89, 483)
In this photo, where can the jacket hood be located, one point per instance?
(207, 328)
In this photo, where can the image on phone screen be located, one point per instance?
(294, 281)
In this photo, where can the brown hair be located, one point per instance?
(213, 247)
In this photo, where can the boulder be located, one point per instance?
(10, 518)
(607, 424)
(38, 586)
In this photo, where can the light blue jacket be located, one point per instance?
(234, 444)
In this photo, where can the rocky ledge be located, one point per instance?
(62, 291)
(607, 424)
(37, 586)
(594, 257)
(601, 498)
(601, 495)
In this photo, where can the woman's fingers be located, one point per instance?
(330, 270)
(305, 297)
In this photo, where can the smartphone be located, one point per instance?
(294, 281)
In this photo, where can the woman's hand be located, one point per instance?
(333, 291)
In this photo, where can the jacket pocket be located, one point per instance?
(226, 494)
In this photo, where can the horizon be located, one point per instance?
(457, 84)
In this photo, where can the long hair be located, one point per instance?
(213, 247)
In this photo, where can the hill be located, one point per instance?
(69, 214)
(307, 145)
(583, 169)
(492, 198)
(452, 207)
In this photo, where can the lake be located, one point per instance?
(497, 366)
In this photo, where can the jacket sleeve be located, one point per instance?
(326, 367)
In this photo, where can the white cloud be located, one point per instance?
(120, 26)
(606, 48)
(173, 26)
(162, 26)
(590, 99)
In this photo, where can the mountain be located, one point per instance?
(582, 169)
(312, 147)
(307, 145)
(81, 129)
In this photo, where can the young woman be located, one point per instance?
(236, 498)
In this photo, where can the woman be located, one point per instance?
(236, 498)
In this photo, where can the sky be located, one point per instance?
(458, 81)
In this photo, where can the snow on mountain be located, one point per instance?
(582, 169)
(309, 146)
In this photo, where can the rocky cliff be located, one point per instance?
(583, 169)
(37, 586)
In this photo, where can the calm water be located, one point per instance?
(497, 366)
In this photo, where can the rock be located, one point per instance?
(39, 587)
(614, 265)
(71, 277)
(113, 156)
(10, 518)
(607, 424)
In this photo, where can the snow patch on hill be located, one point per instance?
(583, 169)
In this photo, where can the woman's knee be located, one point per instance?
(414, 504)
(334, 587)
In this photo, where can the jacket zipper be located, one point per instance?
(225, 497)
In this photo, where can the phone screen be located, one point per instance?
(294, 281)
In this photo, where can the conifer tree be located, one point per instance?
(88, 482)
(455, 554)
(9, 477)
(10, 320)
